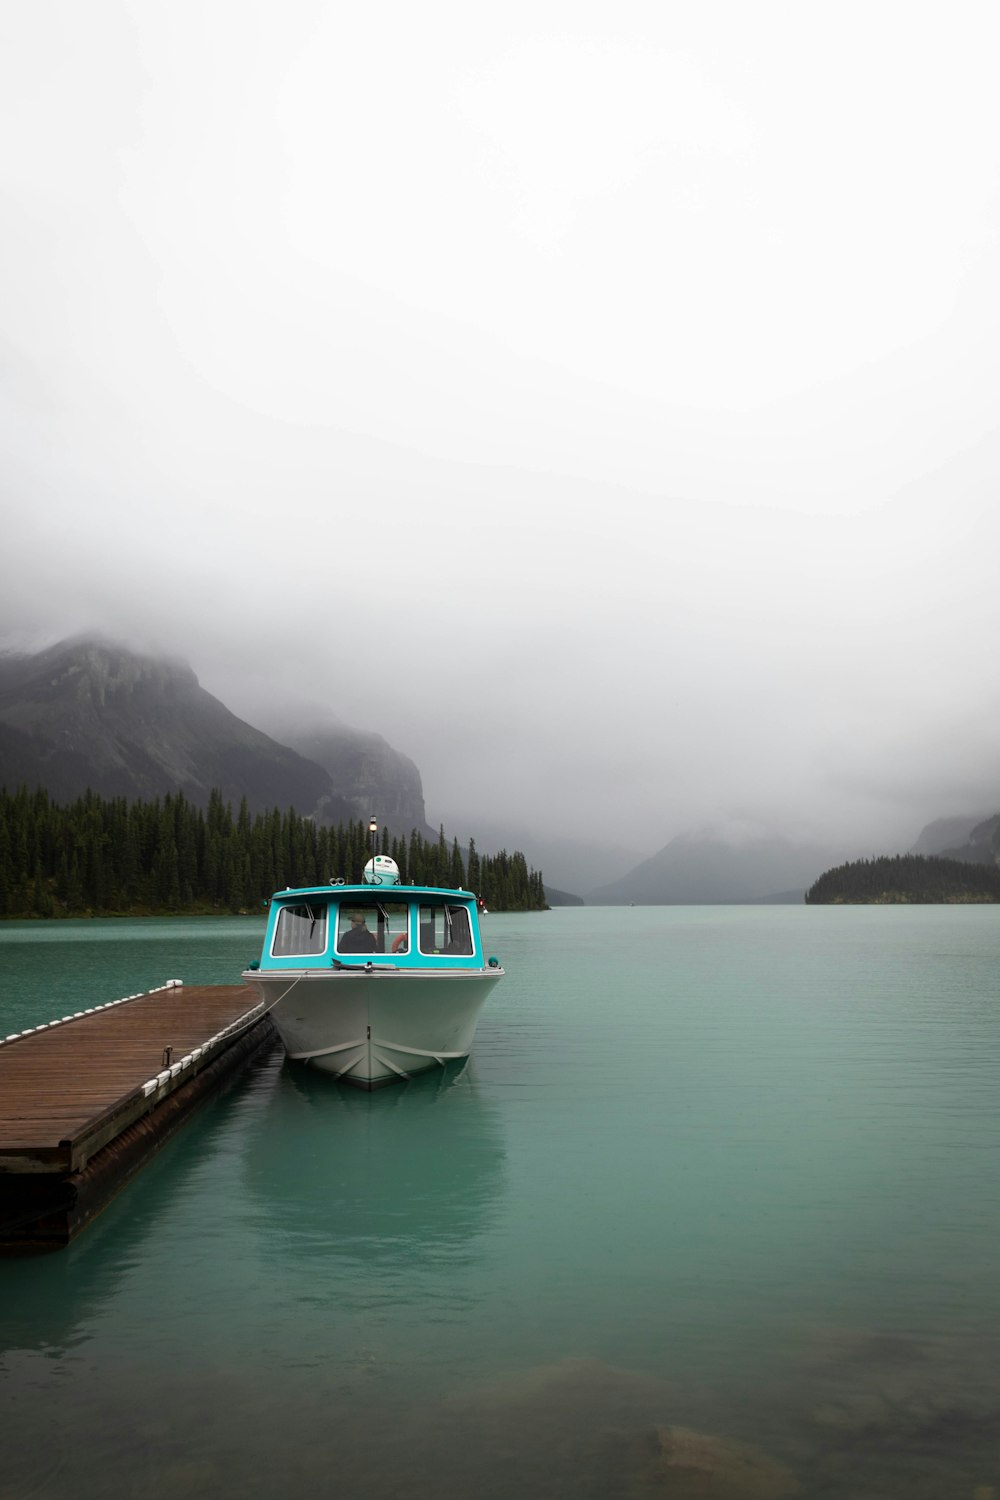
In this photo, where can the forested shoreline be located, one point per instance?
(100, 856)
(904, 879)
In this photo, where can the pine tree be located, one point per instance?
(97, 855)
(456, 877)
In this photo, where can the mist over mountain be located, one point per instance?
(946, 833)
(982, 847)
(711, 867)
(720, 866)
(570, 861)
(90, 714)
(368, 773)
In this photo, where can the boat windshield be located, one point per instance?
(445, 929)
(299, 930)
(373, 927)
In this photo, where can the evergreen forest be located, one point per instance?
(906, 878)
(113, 857)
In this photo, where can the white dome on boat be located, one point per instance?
(381, 870)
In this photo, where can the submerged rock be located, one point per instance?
(900, 1414)
(880, 1391)
(573, 1381)
(592, 1429)
(570, 1430)
(688, 1465)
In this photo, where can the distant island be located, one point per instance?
(906, 879)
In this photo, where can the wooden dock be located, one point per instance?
(85, 1100)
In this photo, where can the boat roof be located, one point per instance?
(365, 892)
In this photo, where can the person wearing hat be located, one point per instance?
(357, 938)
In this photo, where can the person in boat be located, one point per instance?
(459, 936)
(357, 939)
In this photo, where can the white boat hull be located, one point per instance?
(375, 1027)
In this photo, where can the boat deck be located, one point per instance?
(70, 1087)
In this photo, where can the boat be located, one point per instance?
(374, 982)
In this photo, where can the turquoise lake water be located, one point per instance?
(734, 1170)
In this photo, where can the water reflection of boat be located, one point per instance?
(399, 1175)
(375, 982)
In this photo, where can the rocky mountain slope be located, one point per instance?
(945, 833)
(982, 847)
(368, 773)
(973, 839)
(90, 714)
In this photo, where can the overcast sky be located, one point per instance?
(598, 400)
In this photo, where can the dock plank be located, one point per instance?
(61, 1084)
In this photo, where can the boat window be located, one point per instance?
(445, 929)
(299, 930)
(373, 927)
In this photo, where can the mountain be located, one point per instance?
(946, 833)
(573, 863)
(982, 847)
(561, 898)
(369, 775)
(87, 713)
(710, 867)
